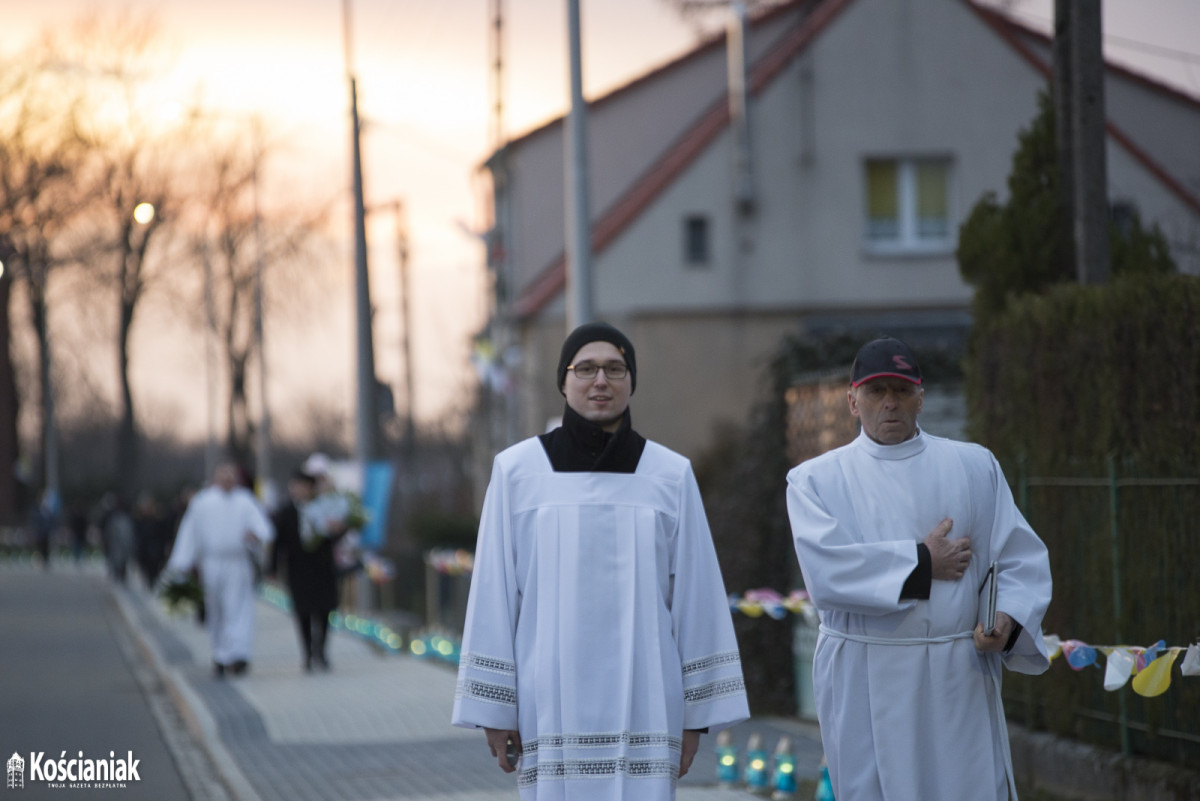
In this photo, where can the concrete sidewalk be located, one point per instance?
(376, 727)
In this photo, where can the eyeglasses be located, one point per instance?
(613, 371)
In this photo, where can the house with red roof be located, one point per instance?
(871, 128)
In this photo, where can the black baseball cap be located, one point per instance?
(885, 356)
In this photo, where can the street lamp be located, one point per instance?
(143, 213)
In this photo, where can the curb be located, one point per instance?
(196, 716)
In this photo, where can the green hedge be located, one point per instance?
(1071, 385)
(1068, 377)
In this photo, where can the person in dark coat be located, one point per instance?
(150, 538)
(308, 566)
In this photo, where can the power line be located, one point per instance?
(1111, 38)
(414, 137)
(1149, 47)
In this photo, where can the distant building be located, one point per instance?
(871, 129)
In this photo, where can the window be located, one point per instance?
(1123, 215)
(696, 247)
(908, 204)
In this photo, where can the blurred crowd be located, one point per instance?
(133, 536)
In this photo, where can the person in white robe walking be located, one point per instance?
(894, 533)
(598, 643)
(223, 532)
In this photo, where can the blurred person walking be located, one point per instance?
(223, 533)
(303, 550)
(79, 525)
(117, 532)
(43, 521)
(150, 534)
(330, 514)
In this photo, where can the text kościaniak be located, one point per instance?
(79, 769)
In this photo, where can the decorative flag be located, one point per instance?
(1150, 654)
(1155, 678)
(1079, 654)
(1191, 661)
(1053, 645)
(1118, 669)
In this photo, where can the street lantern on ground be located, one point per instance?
(756, 774)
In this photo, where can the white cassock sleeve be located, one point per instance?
(1024, 587)
(258, 522)
(185, 552)
(713, 688)
(841, 571)
(486, 694)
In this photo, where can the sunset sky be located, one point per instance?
(423, 77)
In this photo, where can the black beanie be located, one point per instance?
(596, 332)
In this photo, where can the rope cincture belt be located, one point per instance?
(993, 666)
(869, 640)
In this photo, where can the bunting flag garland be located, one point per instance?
(451, 561)
(756, 603)
(1149, 667)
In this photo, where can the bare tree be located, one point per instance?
(9, 401)
(40, 156)
(132, 183)
(239, 243)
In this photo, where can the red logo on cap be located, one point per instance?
(901, 362)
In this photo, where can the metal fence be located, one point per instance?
(1125, 555)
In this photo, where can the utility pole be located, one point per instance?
(496, 45)
(743, 172)
(500, 404)
(210, 364)
(1079, 32)
(406, 329)
(579, 225)
(367, 415)
(408, 452)
(1064, 139)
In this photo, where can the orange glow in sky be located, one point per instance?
(423, 76)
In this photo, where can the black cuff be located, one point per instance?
(919, 582)
(1012, 638)
(702, 731)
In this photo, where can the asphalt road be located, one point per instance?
(72, 680)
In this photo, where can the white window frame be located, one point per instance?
(909, 241)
